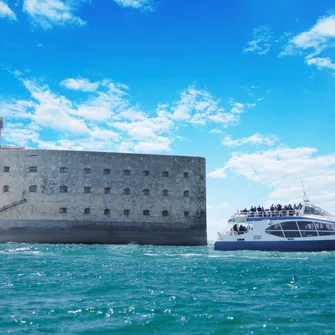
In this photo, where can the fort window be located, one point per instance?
(5, 188)
(87, 189)
(33, 188)
(6, 169)
(126, 212)
(185, 175)
(146, 173)
(63, 170)
(186, 214)
(107, 212)
(165, 193)
(146, 191)
(63, 210)
(107, 171)
(87, 170)
(87, 210)
(126, 172)
(186, 193)
(33, 169)
(107, 190)
(146, 212)
(165, 213)
(165, 174)
(63, 189)
(126, 191)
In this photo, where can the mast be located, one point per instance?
(305, 198)
(1, 127)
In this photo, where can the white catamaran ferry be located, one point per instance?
(306, 228)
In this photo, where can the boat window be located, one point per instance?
(323, 233)
(275, 232)
(306, 225)
(289, 225)
(321, 226)
(308, 233)
(315, 210)
(292, 233)
(274, 227)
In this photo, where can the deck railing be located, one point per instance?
(268, 213)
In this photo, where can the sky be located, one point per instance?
(247, 84)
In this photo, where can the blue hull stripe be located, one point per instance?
(288, 246)
(292, 218)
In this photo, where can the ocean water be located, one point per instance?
(99, 289)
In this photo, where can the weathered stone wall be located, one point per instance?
(45, 203)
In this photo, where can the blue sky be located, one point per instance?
(250, 85)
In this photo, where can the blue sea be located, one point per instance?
(100, 289)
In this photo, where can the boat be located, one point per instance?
(306, 228)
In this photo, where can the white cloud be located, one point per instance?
(222, 205)
(216, 131)
(80, 84)
(320, 62)
(160, 144)
(106, 118)
(281, 169)
(315, 39)
(137, 4)
(199, 107)
(218, 173)
(50, 13)
(53, 111)
(21, 134)
(261, 42)
(253, 139)
(312, 42)
(5, 11)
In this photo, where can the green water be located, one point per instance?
(79, 289)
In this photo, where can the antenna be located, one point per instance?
(1, 127)
(305, 198)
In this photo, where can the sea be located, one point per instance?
(132, 289)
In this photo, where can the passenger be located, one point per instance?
(259, 208)
(272, 208)
(235, 228)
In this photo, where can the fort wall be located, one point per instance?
(150, 193)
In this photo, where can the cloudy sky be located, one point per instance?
(248, 84)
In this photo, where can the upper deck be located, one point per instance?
(306, 209)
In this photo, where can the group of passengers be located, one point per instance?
(273, 208)
(239, 229)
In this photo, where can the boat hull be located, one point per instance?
(285, 246)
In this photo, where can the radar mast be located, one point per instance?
(305, 197)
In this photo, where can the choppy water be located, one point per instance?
(80, 289)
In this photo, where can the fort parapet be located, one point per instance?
(55, 196)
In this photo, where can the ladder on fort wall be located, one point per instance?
(13, 204)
